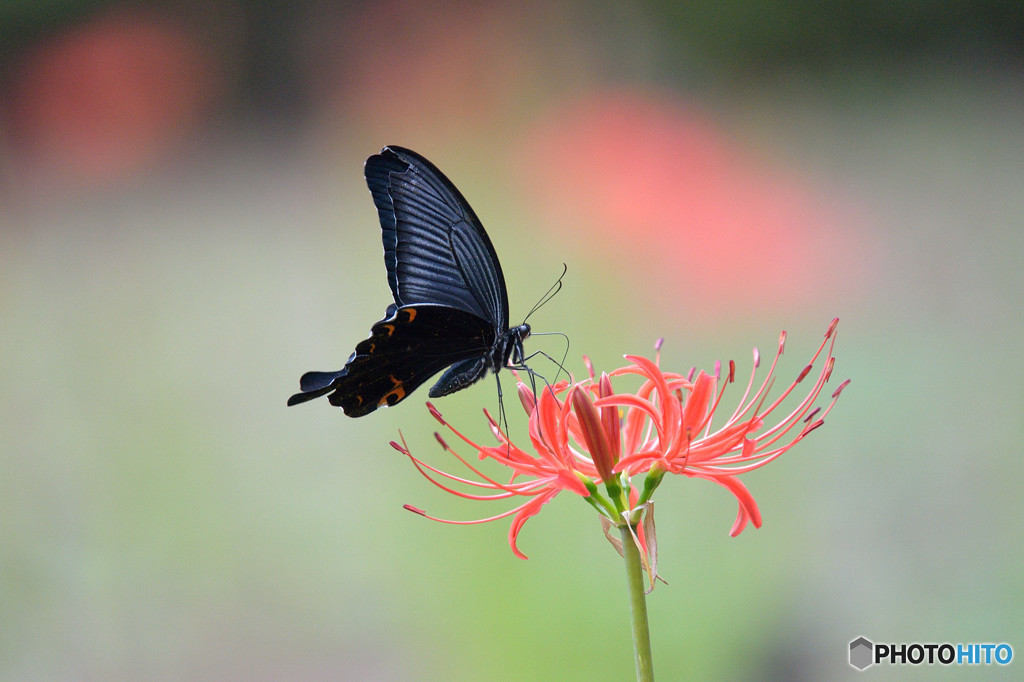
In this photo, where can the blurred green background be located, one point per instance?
(184, 230)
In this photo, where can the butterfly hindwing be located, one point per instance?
(404, 350)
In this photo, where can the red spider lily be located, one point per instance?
(659, 168)
(583, 433)
(667, 426)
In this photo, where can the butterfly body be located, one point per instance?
(450, 302)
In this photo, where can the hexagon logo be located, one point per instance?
(861, 653)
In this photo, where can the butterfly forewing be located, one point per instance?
(420, 212)
(481, 269)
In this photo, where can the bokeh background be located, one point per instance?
(184, 230)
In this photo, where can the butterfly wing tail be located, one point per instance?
(315, 384)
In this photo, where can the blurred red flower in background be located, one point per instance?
(108, 96)
(653, 180)
(426, 69)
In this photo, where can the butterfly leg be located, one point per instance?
(502, 418)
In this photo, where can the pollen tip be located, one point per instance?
(782, 342)
(414, 510)
(436, 414)
(820, 422)
(803, 374)
(658, 344)
(757, 358)
(832, 327)
(401, 448)
(811, 414)
(732, 371)
(440, 440)
(490, 419)
(835, 393)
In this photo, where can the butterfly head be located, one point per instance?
(514, 345)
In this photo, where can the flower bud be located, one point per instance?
(593, 433)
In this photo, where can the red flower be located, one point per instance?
(107, 97)
(583, 434)
(667, 425)
(662, 170)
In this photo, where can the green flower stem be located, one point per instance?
(598, 501)
(637, 605)
(615, 491)
(651, 482)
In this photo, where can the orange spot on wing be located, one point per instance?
(394, 395)
(411, 312)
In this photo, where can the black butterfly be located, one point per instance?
(451, 306)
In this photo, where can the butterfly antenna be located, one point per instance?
(549, 294)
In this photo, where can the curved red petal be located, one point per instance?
(528, 510)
